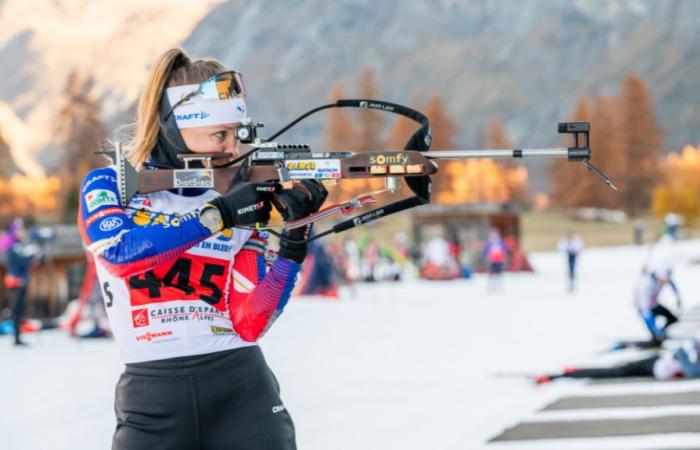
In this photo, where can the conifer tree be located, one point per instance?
(82, 132)
(607, 153)
(567, 180)
(340, 134)
(498, 139)
(643, 141)
(443, 133)
(371, 121)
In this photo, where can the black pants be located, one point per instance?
(226, 400)
(571, 259)
(640, 368)
(18, 301)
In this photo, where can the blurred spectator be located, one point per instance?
(318, 277)
(638, 232)
(370, 260)
(673, 222)
(571, 245)
(438, 262)
(495, 253)
(353, 262)
(20, 255)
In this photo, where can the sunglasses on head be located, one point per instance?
(222, 86)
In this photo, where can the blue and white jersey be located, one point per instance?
(168, 283)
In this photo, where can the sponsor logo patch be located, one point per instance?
(143, 218)
(139, 317)
(175, 314)
(370, 216)
(100, 197)
(104, 213)
(193, 178)
(191, 116)
(110, 223)
(250, 208)
(398, 158)
(107, 178)
(323, 169)
(150, 336)
(221, 330)
(139, 200)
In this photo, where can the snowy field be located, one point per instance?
(415, 365)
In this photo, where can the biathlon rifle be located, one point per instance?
(268, 160)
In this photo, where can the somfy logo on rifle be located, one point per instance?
(399, 158)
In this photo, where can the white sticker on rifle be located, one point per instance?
(319, 169)
(193, 178)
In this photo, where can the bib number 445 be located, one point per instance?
(185, 279)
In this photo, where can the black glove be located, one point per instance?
(246, 203)
(295, 204)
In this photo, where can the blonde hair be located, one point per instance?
(172, 68)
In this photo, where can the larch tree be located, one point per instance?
(643, 141)
(567, 181)
(341, 134)
(498, 139)
(82, 132)
(443, 130)
(607, 152)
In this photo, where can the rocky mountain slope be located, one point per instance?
(522, 61)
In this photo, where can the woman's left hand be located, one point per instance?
(295, 204)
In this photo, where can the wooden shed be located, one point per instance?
(469, 225)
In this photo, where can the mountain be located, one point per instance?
(42, 42)
(17, 140)
(522, 61)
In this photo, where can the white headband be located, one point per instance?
(198, 112)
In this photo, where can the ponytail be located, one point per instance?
(173, 68)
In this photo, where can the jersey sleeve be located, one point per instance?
(123, 246)
(259, 296)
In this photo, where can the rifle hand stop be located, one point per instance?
(581, 149)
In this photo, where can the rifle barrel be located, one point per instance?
(512, 153)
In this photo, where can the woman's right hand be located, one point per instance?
(246, 203)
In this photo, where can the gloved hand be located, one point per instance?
(246, 203)
(295, 204)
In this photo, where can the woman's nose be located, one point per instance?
(231, 145)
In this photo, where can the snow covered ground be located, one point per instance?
(414, 365)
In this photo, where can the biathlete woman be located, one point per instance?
(187, 287)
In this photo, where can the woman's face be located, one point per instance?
(212, 139)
